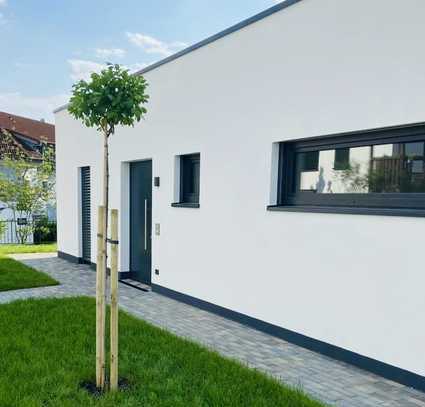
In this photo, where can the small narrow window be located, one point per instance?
(189, 180)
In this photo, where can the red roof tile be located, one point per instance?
(33, 129)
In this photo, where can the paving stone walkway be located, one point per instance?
(328, 380)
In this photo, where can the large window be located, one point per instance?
(379, 169)
(189, 180)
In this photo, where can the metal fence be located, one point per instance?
(9, 236)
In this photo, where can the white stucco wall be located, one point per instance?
(318, 67)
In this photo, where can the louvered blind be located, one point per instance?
(85, 213)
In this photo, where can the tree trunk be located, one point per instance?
(17, 235)
(102, 319)
(105, 202)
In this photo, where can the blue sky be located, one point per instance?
(48, 44)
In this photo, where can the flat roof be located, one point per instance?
(209, 40)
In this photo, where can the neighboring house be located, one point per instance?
(28, 136)
(278, 180)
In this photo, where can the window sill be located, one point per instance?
(184, 205)
(349, 210)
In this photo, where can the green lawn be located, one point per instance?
(48, 348)
(27, 248)
(15, 275)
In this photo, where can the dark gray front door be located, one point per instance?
(141, 220)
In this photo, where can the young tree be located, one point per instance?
(26, 186)
(110, 99)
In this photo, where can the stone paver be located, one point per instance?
(328, 380)
(25, 256)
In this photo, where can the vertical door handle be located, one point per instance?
(146, 225)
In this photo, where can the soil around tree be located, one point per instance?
(90, 386)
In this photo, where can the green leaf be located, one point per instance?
(111, 98)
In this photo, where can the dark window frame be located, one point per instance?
(407, 204)
(189, 198)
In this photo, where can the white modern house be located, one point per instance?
(278, 180)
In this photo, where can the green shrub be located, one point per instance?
(45, 231)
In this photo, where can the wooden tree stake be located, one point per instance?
(114, 299)
(100, 301)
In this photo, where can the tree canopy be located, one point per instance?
(113, 97)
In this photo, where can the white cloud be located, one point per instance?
(82, 69)
(152, 45)
(3, 3)
(110, 52)
(137, 66)
(22, 65)
(34, 107)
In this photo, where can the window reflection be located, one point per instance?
(385, 168)
(342, 159)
